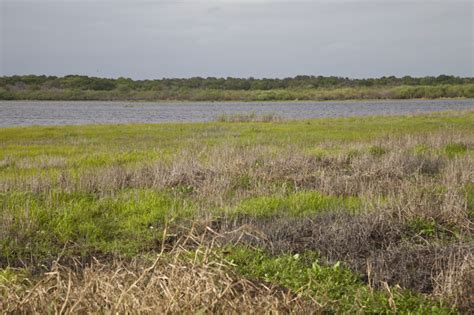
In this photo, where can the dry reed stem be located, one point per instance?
(174, 283)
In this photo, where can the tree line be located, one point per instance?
(78, 82)
(75, 87)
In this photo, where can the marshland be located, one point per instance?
(247, 213)
(236, 157)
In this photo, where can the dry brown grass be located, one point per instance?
(455, 283)
(176, 281)
(136, 287)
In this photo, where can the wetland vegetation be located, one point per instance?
(368, 215)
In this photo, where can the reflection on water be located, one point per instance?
(19, 113)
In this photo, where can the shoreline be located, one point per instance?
(210, 123)
(355, 100)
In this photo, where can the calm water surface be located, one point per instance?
(24, 113)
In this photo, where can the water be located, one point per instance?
(24, 113)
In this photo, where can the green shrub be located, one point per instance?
(6, 95)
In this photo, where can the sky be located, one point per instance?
(237, 38)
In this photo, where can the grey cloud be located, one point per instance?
(237, 38)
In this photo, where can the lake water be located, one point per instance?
(24, 113)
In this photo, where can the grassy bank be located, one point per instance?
(349, 215)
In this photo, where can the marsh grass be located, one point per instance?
(393, 210)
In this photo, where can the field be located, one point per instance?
(343, 215)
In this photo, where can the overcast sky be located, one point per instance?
(240, 38)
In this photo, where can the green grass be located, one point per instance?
(296, 204)
(127, 223)
(335, 287)
(454, 149)
(67, 139)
